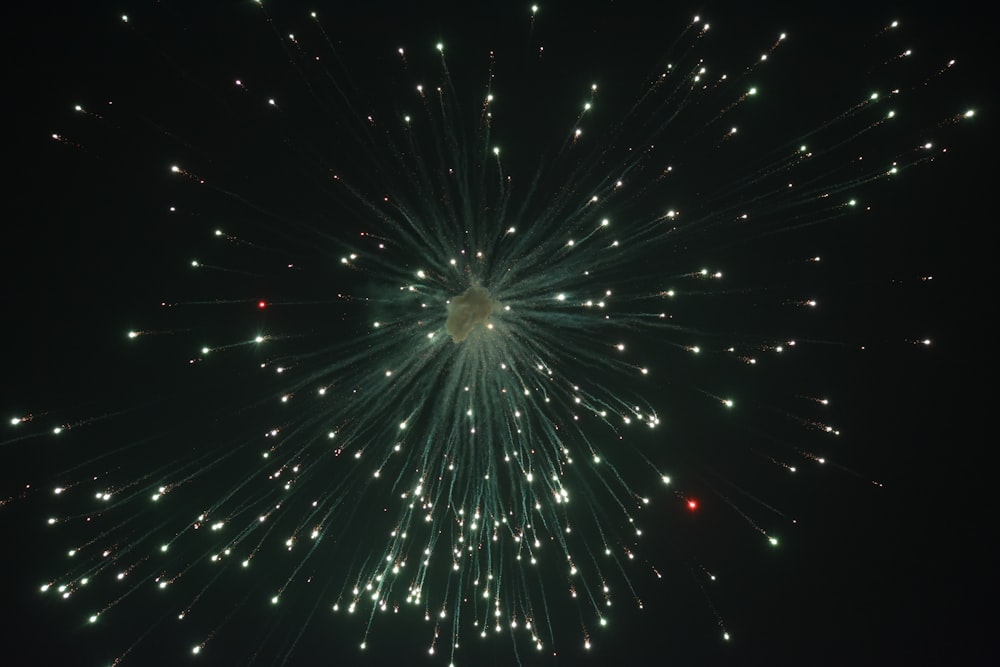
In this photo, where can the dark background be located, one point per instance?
(901, 574)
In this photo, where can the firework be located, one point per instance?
(461, 331)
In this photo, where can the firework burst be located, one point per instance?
(463, 330)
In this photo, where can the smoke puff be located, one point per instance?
(468, 310)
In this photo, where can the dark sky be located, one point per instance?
(899, 574)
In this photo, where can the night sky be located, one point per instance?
(894, 572)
